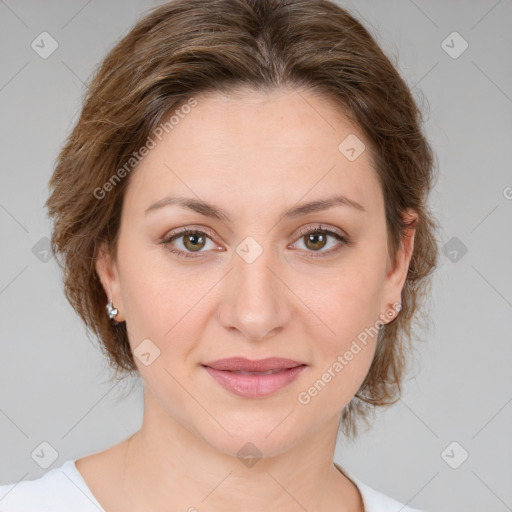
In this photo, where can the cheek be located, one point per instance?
(344, 342)
(344, 328)
(346, 299)
(164, 302)
(153, 297)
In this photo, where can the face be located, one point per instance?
(255, 274)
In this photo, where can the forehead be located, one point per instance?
(277, 146)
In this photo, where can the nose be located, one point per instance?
(255, 301)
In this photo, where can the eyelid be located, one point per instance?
(180, 231)
(169, 237)
(321, 227)
(343, 238)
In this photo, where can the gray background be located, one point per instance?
(54, 382)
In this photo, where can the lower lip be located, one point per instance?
(254, 386)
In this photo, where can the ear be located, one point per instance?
(108, 273)
(396, 272)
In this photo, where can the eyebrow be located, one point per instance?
(210, 210)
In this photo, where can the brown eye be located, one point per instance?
(189, 241)
(315, 241)
(194, 241)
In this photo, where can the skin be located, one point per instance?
(254, 155)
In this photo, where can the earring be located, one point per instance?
(111, 310)
(397, 307)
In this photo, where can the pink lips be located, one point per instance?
(253, 379)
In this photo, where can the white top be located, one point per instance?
(63, 490)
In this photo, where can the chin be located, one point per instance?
(261, 437)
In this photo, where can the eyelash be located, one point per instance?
(345, 241)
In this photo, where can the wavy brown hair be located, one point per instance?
(187, 47)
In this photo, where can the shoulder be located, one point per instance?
(58, 490)
(376, 501)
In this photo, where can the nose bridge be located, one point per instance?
(255, 301)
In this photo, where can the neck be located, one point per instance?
(169, 467)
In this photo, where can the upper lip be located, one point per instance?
(248, 365)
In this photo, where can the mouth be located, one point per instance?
(268, 372)
(254, 378)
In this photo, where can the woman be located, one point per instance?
(241, 218)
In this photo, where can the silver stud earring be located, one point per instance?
(112, 312)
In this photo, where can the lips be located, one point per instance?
(254, 378)
(241, 364)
